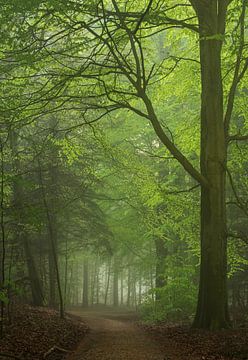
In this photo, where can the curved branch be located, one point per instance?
(237, 74)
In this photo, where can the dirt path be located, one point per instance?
(114, 336)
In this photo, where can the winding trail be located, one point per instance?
(114, 336)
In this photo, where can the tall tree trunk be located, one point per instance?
(93, 283)
(34, 278)
(107, 283)
(134, 294)
(66, 272)
(128, 286)
(52, 276)
(21, 235)
(52, 231)
(86, 285)
(69, 291)
(122, 288)
(98, 285)
(212, 312)
(161, 253)
(140, 289)
(116, 284)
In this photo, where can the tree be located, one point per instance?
(212, 309)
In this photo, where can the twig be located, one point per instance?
(54, 348)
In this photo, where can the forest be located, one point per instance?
(123, 179)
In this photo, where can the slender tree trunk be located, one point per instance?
(152, 283)
(128, 286)
(134, 293)
(66, 272)
(86, 285)
(97, 284)
(122, 288)
(116, 285)
(161, 253)
(93, 283)
(107, 283)
(140, 289)
(21, 235)
(52, 276)
(53, 242)
(212, 310)
(69, 291)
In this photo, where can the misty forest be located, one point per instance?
(123, 179)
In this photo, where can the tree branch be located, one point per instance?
(143, 16)
(191, 170)
(237, 137)
(237, 77)
(240, 204)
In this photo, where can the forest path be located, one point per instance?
(114, 336)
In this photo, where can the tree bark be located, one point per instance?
(212, 309)
(35, 283)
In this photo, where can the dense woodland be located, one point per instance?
(123, 157)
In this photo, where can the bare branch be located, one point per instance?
(182, 191)
(237, 74)
(238, 137)
(143, 16)
(240, 204)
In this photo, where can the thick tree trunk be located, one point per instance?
(35, 283)
(212, 310)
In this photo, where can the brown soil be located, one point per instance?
(115, 336)
(39, 333)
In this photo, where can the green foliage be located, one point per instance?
(177, 302)
(4, 296)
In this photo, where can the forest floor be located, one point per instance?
(108, 334)
(118, 335)
(39, 333)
